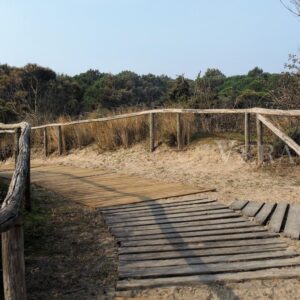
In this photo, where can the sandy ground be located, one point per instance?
(210, 163)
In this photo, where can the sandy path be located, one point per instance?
(205, 164)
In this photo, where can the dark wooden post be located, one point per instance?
(45, 142)
(13, 262)
(27, 194)
(247, 135)
(260, 150)
(151, 131)
(17, 138)
(179, 132)
(60, 143)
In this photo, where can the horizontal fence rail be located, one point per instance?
(263, 111)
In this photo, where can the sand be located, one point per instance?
(210, 163)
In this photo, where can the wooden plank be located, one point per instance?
(272, 273)
(198, 245)
(285, 138)
(211, 268)
(276, 221)
(264, 214)
(179, 220)
(143, 244)
(187, 261)
(163, 227)
(203, 252)
(167, 214)
(160, 208)
(292, 226)
(252, 208)
(193, 233)
(154, 203)
(198, 228)
(238, 204)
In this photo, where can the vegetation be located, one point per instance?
(38, 94)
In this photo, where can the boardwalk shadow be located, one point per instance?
(189, 252)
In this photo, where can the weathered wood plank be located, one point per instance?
(264, 214)
(167, 215)
(198, 245)
(179, 220)
(276, 221)
(154, 203)
(211, 268)
(271, 273)
(197, 239)
(238, 204)
(292, 226)
(149, 228)
(274, 245)
(252, 208)
(192, 233)
(187, 261)
(189, 229)
(161, 209)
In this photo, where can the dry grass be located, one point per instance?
(124, 133)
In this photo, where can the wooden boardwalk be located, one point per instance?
(101, 188)
(279, 217)
(171, 234)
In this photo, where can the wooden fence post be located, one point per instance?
(179, 132)
(60, 143)
(260, 150)
(27, 194)
(247, 135)
(13, 262)
(151, 131)
(17, 138)
(45, 142)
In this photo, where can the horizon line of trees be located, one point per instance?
(36, 92)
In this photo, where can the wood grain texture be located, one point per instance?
(252, 208)
(292, 226)
(265, 213)
(102, 188)
(276, 221)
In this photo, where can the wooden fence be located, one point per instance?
(11, 221)
(259, 113)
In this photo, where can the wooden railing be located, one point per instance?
(11, 222)
(260, 114)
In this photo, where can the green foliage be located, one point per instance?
(40, 93)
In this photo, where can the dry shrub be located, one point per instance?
(6, 145)
(166, 128)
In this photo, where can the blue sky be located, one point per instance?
(148, 36)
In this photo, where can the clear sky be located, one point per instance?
(148, 36)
